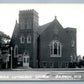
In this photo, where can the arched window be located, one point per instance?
(29, 39)
(15, 51)
(22, 39)
(55, 49)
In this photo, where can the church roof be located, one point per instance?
(40, 29)
(45, 26)
(16, 29)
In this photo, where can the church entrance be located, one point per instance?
(26, 60)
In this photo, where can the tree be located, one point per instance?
(4, 38)
(4, 49)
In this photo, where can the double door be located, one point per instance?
(26, 61)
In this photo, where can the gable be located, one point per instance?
(55, 22)
(53, 29)
(16, 30)
(42, 28)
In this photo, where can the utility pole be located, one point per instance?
(11, 57)
(71, 58)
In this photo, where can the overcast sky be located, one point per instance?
(69, 15)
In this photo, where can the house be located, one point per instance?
(46, 46)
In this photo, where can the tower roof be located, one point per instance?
(25, 12)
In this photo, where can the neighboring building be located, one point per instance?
(48, 46)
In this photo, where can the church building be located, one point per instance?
(46, 46)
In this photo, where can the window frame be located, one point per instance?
(28, 37)
(72, 43)
(22, 39)
(59, 49)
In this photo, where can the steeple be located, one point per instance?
(55, 17)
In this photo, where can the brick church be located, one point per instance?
(46, 46)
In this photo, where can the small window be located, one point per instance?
(51, 65)
(22, 39)
(73, 43)
(29, 39)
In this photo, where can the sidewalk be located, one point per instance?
(42, 69)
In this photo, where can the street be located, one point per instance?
(42, 75)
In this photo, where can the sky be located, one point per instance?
(69, 15)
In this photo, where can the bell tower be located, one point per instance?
(28, 24)
(28, 19)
